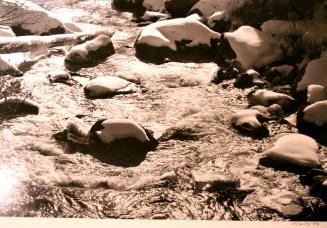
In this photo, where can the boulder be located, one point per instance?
(254, 48)
(6, 31)
(312, 120)
(315, 73)
(266, 98)
(248, 79)
(90, 52)
(18, 106)
(219, 22)
(316, 93)
(8, 68)
(154, 5)
(296, 149)
(128, 5)
(179, 8)
(28, 18)
(249, 122)
(104, 86)
(176, 38)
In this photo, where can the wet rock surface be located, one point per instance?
(201, 169)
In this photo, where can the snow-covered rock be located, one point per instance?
(90, 51)
(316, 113)
(266, 98)
(165, 38)
(104, 86)
(254, 48)
(113, 129)
(29, 18)
(153, 16)
(315, 73)
(179, 8)
(8, 68)
(316, 93)
(6, 31)
(247, 122)
(295, 148)
(218, 21)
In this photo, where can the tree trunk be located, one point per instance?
(29, 43)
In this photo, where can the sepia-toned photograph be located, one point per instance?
(152, 110)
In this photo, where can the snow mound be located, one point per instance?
(315, 73)
(295, 148)
(254, 48)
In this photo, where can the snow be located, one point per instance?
(316, 93)
(254, 48)
(105, 85)
(295, 148)
(121, 128)
(316, 113)
(167, 32)
(315, 73)
(6, 31)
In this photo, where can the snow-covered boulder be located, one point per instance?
(105, 86)
(254, 48)
(8, 68)
(124, 131)
(249, 122)
(266, 98)
(315, 73)
(91, 51)
(312, 120)
(6, 31)
(179, 8)
(295, 148)
(180, 37)
(27, 18)
(316, 93)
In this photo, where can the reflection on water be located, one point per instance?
(8, 182)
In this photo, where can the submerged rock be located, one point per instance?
(105, 86)
(253, 47)
(296, 149)
(176, 38)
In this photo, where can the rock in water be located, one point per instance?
(104, 86)
(312, 120)
(176, 38)
(315, 73)
(254, 48)
(28, 18)
(91, 51)
(7, 68)
(316, 93)
(266, 98)
(295, 148)
(124, 130)
(247, 122)
(18, 106)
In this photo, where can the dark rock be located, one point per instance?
(177, 133)
(225, 73)
(179, 8)
(17, 106)
(133, 6)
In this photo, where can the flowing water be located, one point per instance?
(43, 177)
